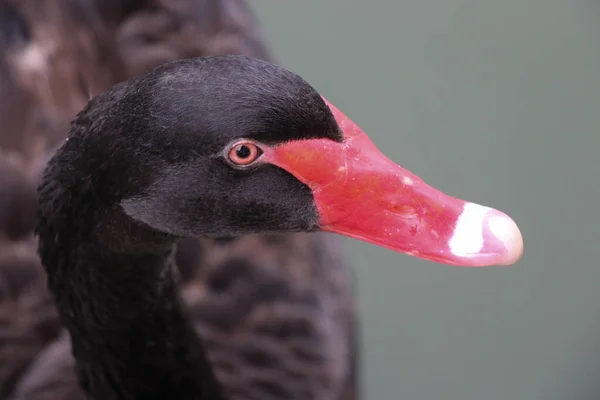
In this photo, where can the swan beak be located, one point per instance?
(361, 193)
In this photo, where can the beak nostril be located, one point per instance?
(404, 210)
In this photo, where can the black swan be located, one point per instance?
(219, 147)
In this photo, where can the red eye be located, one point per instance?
(244, 153)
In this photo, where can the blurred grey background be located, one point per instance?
(497, 102)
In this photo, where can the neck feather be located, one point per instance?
(131, 337)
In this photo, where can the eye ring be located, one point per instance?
(243, 153)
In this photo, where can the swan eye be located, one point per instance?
(243, 153)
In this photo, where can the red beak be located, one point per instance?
(361, 193)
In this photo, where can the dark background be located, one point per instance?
(497, 102)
